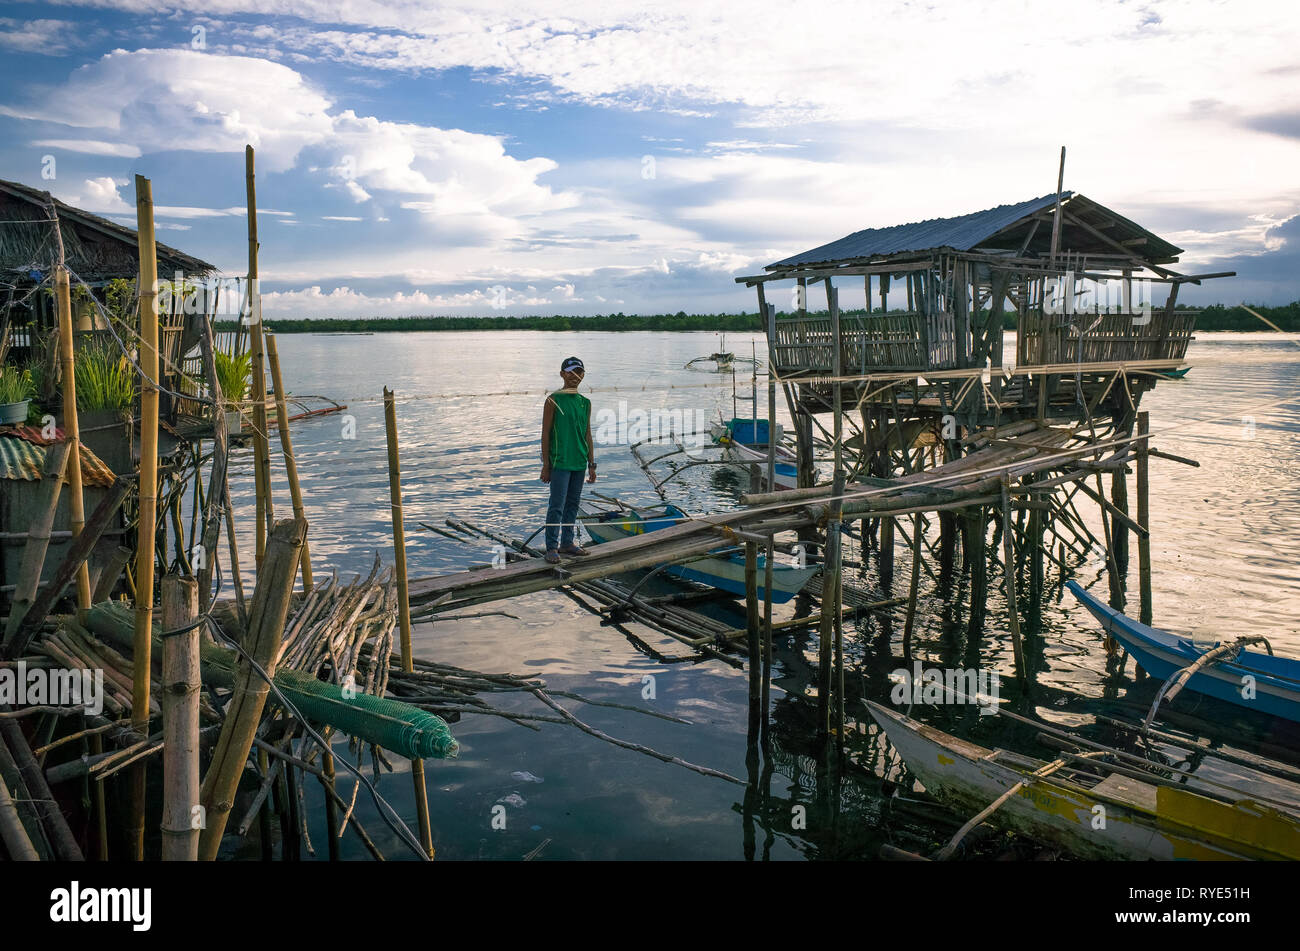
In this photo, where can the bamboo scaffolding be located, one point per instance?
(181, 687)
(290, 464)
(147, 290)
(403, 600)
(261, 446)
(266, 625)
(71, 430)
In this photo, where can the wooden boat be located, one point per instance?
(1142, 820)
(744, 441)
(1174, 374)
(725, 571)
(1274, 683)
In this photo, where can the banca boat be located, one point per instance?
(723, 571)
(1257, 681)
(1112, 817)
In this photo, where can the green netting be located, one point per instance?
(400, 727)
(405, 730)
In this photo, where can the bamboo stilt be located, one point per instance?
(243, 713)
(261, 446)
(403, 600)
(17, 843)
(752, 633)
(71, 429)
(181, 686)
(1144, 517)
(217, 484)
(290, 464)
(1009, 578)
(38, 540)
(144, 557)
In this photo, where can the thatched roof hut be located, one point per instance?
(95, 249)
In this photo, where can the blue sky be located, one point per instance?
(596, 157)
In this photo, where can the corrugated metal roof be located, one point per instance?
(22, 460)
(961, 234)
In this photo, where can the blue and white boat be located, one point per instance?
(724, 571)
(1260, 682)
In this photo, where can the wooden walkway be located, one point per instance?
(974, 479)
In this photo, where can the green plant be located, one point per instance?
(105, 380)
(233, 373)
(15, 385)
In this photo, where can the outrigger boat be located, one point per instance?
(725, 571)
(1060, 802)
(744, 441)
(724, 360)
(1274, 681)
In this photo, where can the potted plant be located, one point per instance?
(233, 373)
(16, 392)
(106, 391)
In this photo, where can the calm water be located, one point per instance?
(1225, 545)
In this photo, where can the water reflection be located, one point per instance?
(1225, 543)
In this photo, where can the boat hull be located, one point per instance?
(1273, 686)
(1064, 814)
(725, 572)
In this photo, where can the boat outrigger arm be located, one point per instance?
(680, 450)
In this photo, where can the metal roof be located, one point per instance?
(961, 234)
(1087, 227)
(24, 461)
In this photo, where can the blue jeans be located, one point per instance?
(566, 493)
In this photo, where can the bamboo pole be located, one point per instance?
(38, 540)
(16, 840)
(752, 634)
(403, 600)
(286, 446)
(1009, 578)
(181, 686)
(261, 446)
(147, 289)
(217, 480)
(770, 554)
(1144, 517)
(71, 429)
(244, 712)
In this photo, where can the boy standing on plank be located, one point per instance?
(567, 452)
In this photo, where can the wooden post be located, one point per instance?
(17, 843)
(976, 556)
(1119, 496)
(71, 429)
(829, 630)
(403, 600)
(290, 465)
(38, 541)
(181, 687)
(886, 554)
(769, 556)
(1056, 217)
(217, 481)
(261, 446)
(1144, 517)
(753, 642)
(912, 586)
(1009, 577)
(244, 712)
(144, 546)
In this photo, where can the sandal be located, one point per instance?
(552, 557)
(574, 550)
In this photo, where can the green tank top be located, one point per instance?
(569, 430)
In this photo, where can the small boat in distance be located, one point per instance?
(1274, 682)
(723, 571)
(1059, 802)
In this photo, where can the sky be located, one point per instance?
(597, 157)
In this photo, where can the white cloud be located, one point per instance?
(91, 147)
(340, 218)
(98, 195)
(51, 37)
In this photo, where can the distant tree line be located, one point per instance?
(1213, 317)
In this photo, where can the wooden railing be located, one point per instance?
(895, 341)
(1088, 338)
